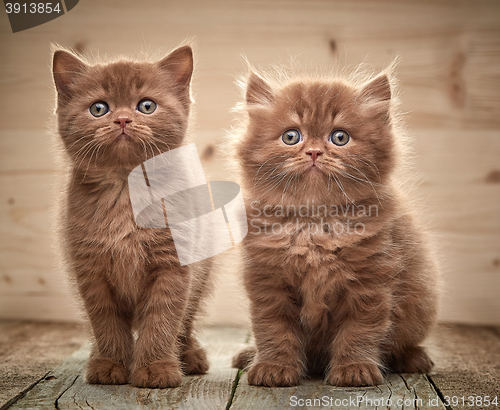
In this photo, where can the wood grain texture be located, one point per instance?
(64, 388)
(404, 392)
(467, 363)
(450, 88)
(29, 351)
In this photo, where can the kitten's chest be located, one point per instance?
(301, 243)
(102, 217)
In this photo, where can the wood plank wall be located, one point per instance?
(450, 74)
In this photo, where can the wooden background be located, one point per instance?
(450, 73)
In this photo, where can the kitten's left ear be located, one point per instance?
(378, 89)
(179, 63)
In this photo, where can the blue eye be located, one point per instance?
(339, 137)
(98, 109)
(291, 137)
(146, 106)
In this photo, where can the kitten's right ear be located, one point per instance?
(65, 67)
(258, 91)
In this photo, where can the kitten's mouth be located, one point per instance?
(123, 137)
(314, 167)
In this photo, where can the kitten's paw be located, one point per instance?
(101, 370)
(412, 360)
(244, 358)
(273, 375)
(157, 375)
(355, 375)
(195, 361)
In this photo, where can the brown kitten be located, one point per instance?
(340, 278)
(111, 118)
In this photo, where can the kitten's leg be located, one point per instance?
(363, 322)
(193, 356)
(244, 358)
(111, 323)
(412, 320)
(160, 311)
(416, 304)
(275, 320)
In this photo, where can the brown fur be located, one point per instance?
(128, 277)
(327, 302)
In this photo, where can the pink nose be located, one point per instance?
(314, 153)
(123, 121)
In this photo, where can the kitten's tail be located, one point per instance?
(243, 359)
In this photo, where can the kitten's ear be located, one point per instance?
(179, 63)
(378, 89)
(65, 67)
(258, 91)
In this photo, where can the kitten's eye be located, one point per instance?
(339, 137)
(291, 137)
(146, 106)
(98, 109)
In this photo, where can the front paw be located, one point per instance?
(355, 375)
(157, 375)
(273, 375)
(101, 370)
(195, 361)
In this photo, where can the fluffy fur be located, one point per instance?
(344, 293)
(128, 277)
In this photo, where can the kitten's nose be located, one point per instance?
(314, 153)
(123, 121)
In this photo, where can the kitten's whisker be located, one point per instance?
(270, 172)
(84, 154)
(369, 163)
(90, 160)
(284, 173)
(269, 159)
(339, 184)
(286, 187)
(83, 147)
(367, 180)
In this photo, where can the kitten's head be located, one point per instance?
(119, 114)
(324, 139)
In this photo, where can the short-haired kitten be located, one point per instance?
(112, 117)
(341, 281)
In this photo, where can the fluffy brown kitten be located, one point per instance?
(341, 281)
(111, 118)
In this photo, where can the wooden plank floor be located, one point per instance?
(41, 367)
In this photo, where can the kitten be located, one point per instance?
(111, 118)
(340, 278)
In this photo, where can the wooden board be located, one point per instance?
(30, 350)
(467, 363)
(450, 88)
(399, 392)
(64, 388)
